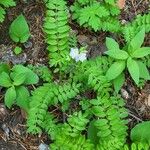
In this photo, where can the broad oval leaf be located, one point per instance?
(19, 79)
(118, 82)
(138, 40)
(141, 132)
(19, 30)
(144, 73)
(141, 52)
(4, 67)
(117, 54)
(115, 70)
(22, 99)
(5, 80)
(31, 77)
(111, 44)
(10, 97)
(133, 69)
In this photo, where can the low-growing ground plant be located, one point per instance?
(128, 57)
(16, 80)
(97, 15)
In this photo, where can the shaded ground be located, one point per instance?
(13, 134)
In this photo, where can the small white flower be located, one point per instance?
(74, 52)
(81, 57)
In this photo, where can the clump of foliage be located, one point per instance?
(42, 71)
(3, 5)
(107, 112)
(16, 80)
(130, 57)
(97, 15)
(131, 29)
(98, 122)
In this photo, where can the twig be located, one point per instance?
(130, 114)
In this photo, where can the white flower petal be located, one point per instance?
(77, 58)
(82, 57)
(74, 52)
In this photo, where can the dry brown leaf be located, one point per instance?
(121, 3)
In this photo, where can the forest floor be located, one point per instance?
(13, 134)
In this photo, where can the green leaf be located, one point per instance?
(22, 99)
(118, 82)
(115, 70)
(117, 54)
(19, 30)
(4, 68)
(133, 69)
(141, 132)
(2, 14)
(7, 3)
(10, 97)
(112, 44)
(92, 133)
(94, 22)
(144, 73)
(141, 52)
(31, 77)
(5, 80)
(17, 50)
(19, 78)
(138, 40)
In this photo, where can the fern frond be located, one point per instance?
(111, 123)
(137, 146)
(45, 96)
(91, 15)
(112, 144)
(131, 29)
(40, 100)
(57, 32)
(2, 14)
(5, 3)
(111, 24)
(50, 126)
(64, 142)
(77, 122)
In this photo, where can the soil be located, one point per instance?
(13, 134)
